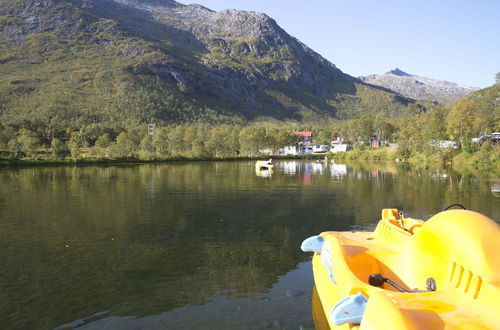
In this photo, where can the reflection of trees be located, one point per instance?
(140, 239)
(145, 239)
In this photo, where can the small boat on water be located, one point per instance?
(262, 165)
(410, 274)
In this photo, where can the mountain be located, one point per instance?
(419, 88)
(68, 63)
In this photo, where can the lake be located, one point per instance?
(210, 245)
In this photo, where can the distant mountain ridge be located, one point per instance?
(419, 88)
(68, 63)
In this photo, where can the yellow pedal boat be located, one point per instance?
(409, 274)
(264, 165)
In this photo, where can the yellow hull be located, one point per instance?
(455, 252)
(263, 165)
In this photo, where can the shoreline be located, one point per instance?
(26, 162)
(384, 154)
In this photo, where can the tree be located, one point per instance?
(279, 137)
(497, 78)
(364, 127)
(28, 140)
(125, 144)
(410, 134)
(103, 141)
(460, 120)
(146, 149)
(75, 143)
(162, 141)
(198, 148)
(176, 139)
(59, 149)
(231, 138)
(251, 139)
(435, 124)
(6, 133)
(190, 132)
(89, 134)
(136, 133)
(14, 145)
(382, 126)
(223, 141)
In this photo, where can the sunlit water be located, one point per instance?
(195, 245)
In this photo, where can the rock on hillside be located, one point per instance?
(419, 88)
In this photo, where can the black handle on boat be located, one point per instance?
(452, 205)
(378, 280)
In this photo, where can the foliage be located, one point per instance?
(27, 140)
(488, 156)
(460, 121)
(59, 149)
(103, 141)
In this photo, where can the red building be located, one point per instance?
(308, 136)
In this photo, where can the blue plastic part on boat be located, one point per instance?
(349, 310)
(312, 244)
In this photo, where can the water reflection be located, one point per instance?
(439, 176)
(263, 173)
(223, 312)
(289, 167)
(338, 171)
(86, 245)
(495, 188)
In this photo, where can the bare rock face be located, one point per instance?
(248, 31)
(419, 88)
(253, 47)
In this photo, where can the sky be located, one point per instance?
(453, 40)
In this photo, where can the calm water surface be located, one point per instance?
(195, 245)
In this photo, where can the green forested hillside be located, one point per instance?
(67, 64)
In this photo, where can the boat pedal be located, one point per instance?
(349, 310)
(312, 244)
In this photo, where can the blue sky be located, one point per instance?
(458, 41)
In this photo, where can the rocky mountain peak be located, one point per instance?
(248, 23)
(145, 3)
(417, 87)
(399, 72)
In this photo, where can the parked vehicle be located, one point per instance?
(320, 148)
(340, 147)
(482, 139)
(495, 138)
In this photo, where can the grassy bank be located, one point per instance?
(484, 158)
(366, 153)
